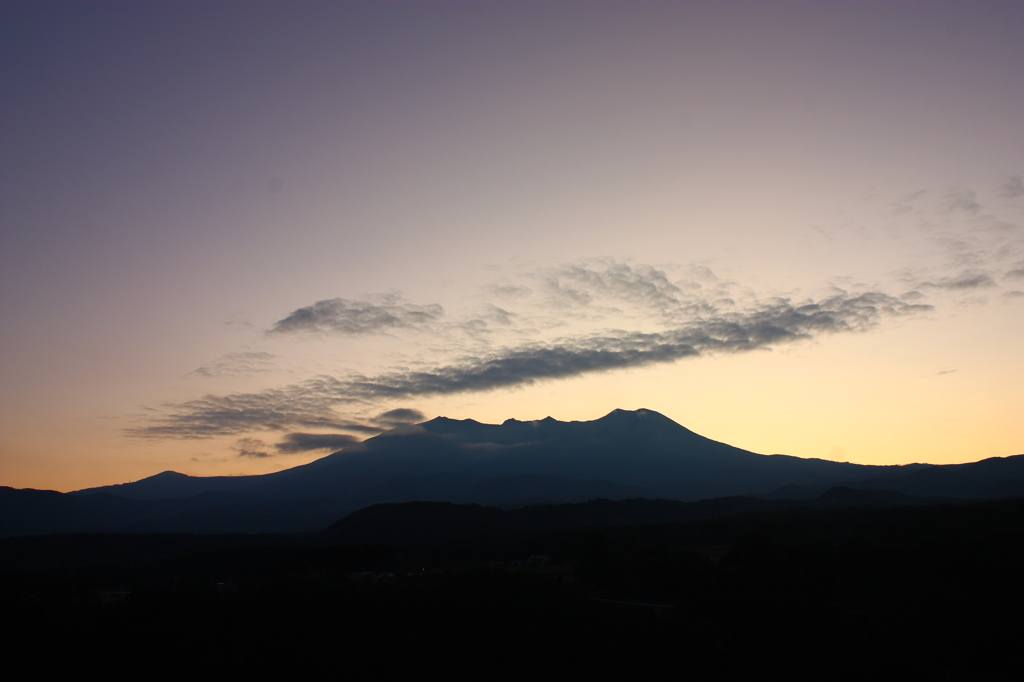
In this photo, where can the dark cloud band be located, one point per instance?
(340, 316)
(308, 442)
(311, 403)
(399, 416)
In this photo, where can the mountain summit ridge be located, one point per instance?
(635, 448)
(624, 454)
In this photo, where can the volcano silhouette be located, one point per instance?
(625, 454)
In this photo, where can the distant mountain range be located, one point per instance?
(623, 455)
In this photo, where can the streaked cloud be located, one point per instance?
(399, 416)
(235, 364)
(251, 447)
(314, 403)
(643, 287)
(377, 314)
(568, 320)
(974, 244)
(294, 443)
(1013, 187)
(962, 199)
(965, 280)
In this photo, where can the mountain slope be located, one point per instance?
(622, 455)
(641, 449)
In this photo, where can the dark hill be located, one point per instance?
(619, 456)
(443, 457)
(427, 522)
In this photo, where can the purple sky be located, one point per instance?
(236, 235)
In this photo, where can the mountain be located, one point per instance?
(645, 452)
(171, 485)
(622, 455)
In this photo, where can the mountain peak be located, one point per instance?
(168, 476)
(449, 420)
(446, 425)
(618, 415)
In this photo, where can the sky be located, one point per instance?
(235, 237)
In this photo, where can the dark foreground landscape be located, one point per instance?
(846, 586)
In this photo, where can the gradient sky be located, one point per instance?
(236, 236)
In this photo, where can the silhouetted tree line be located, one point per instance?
(832, 593)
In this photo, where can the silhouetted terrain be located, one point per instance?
(620, 456)
(796, 589)
(423, 522)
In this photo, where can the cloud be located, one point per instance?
(307, 442)
(251, 447)
(1012, 188)
(376, 315)
(962, 199)
(308, 404)
(509, 291)
(484, 321)
(978, 243)
(399, 416)
(589, 290)
(571, 320)
(313, 403)
(234, 364)
(642, 286)
(965, 280)
(779, 322)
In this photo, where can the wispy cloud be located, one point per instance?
(607, 282)
(313, 403)
(543, 323)
(974, 243)
(294, 443)
(377, 314)
(965, 280)
(251, 447)
(483, 322)
(1013, 187)
(399, 417)
(235, 364)
(962, 199)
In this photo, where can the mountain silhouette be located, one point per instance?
(639, 450)
(410, 523)
(625, 454)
